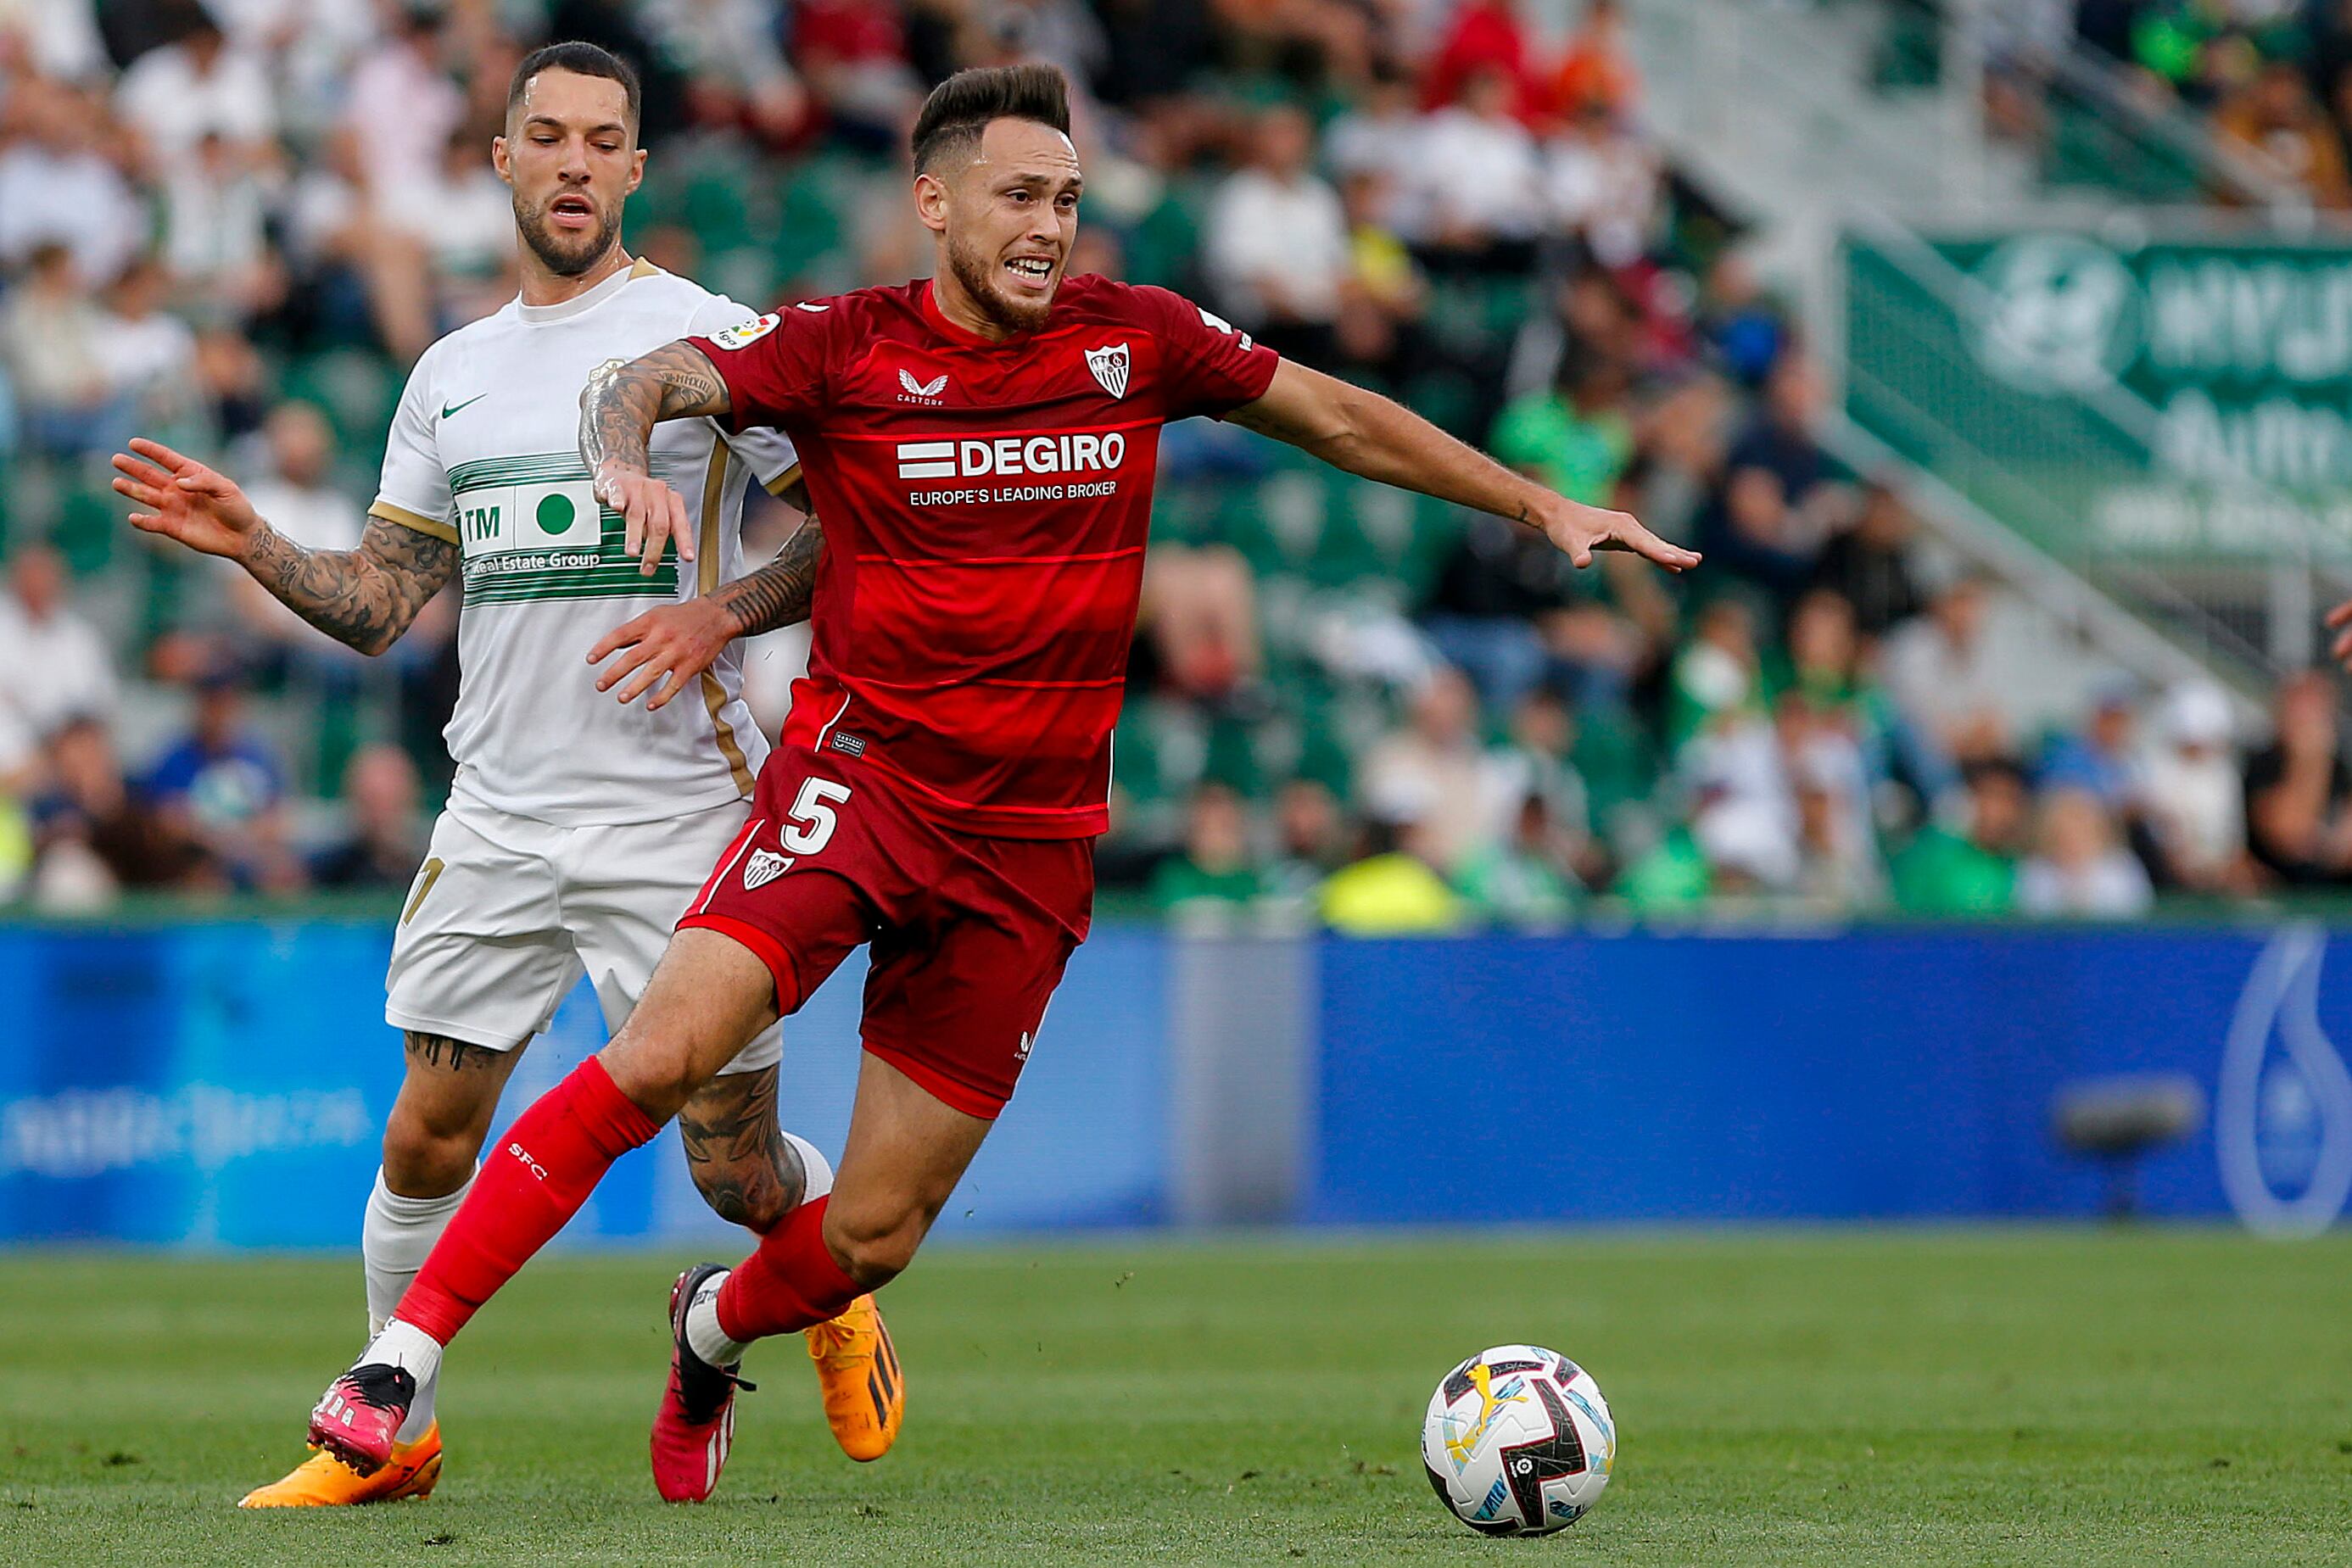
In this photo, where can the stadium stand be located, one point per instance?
(235, 227)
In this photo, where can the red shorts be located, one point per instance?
(969, 935)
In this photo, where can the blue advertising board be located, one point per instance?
(1874, 1075)
(225, 1085)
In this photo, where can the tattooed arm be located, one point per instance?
(365, 598)
(679, 640)
(618, 410)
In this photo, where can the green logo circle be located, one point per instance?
(555, 512)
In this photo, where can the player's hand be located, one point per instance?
(653, 514)
(666, 648)
(1579, 530)
(184, 501)
(2339, 621)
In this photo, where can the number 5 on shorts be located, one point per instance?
(810, 818)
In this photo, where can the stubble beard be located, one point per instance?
(977, 274)
(563, 256)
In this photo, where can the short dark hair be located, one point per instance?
(961, 107)
(581, 59)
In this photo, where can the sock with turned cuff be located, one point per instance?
(531, 1183)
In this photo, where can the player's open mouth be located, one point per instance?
(1031, 271)
(571, 211)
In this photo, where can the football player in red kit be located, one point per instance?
(981, 449)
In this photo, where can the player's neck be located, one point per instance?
(948, 297)
(542, 285)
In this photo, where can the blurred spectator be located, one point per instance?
(463, 215)
(2297, 788)
(1838, 864)
(1480, 183)
(58, 186)
(1940, 673)
(2080, 869)
(1602, 187)
(148, 353)
(1216, 866)
(364, 267)
(1526, 877)
(1487, 39)
(201, 87)
(386, 837)
(1741, 324)
(1427, 772)
(2274, 119)
(1971, 871)
(60, 662)
(294, 488)
(1276, 241)
(1310, 837)
(1393, 888)
(2103, 757)
(1718, 677)
(52, 338)
(95, 836)
(1780, 492)
(400, 104)
(2196, 798)
(222, 788)
(1535, 762)
(1199, 612)
(215, 210)
(1869, 563)
(1596, 70)
(1573, 437)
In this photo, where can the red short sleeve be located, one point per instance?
(1211, 366)
(773, 365)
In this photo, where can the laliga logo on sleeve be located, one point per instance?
(1110, 365)
(747, 333)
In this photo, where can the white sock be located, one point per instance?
(819, 1169)
(703, 1334)
(406, 1346)
(393, 1241)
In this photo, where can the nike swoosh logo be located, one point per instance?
(449, 409)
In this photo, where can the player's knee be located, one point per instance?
(874, 1249)
(657, 1079)
(422, 1159)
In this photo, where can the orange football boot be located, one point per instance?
(857, 1368)
(323, 1480)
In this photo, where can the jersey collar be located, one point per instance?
(938, 322)
(580, 303)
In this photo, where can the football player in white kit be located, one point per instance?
(578, 827)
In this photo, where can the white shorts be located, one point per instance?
(508, 912)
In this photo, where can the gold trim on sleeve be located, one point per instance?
(714, 695)
(417, 521)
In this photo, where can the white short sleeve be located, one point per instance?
(767, 452)
(414, 490)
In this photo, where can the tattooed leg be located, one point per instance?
(735, 1147)
(436, 1126)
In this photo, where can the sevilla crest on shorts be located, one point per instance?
(764, 867)
(1110, 365)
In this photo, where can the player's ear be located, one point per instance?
(498, 158)
(636, 171)
(931, 202)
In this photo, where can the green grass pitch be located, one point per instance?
(1963, 1397)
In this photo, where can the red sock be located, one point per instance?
(790, 1282)
(535, 1180)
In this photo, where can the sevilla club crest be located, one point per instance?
(1109, 366)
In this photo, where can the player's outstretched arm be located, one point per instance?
(1366, 433)
(365, 596)
(618, 410)
(670, 646)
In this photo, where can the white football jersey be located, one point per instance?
(483, 453)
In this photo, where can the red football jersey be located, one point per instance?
(985, 508)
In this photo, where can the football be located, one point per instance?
(1519, 1441)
